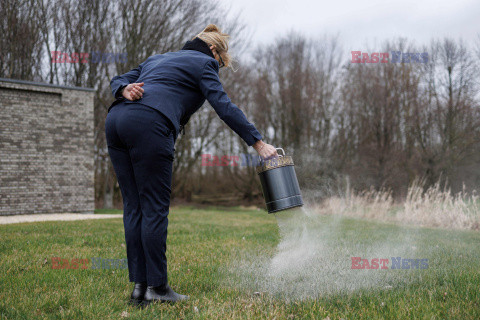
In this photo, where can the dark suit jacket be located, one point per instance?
(177, 84)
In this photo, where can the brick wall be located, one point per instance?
(46, 148)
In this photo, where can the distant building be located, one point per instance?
(46, 148)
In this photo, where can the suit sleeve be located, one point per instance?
(119, 82)
(213, 91)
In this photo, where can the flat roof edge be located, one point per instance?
(43, 84)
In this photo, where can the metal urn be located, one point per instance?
(279, 183)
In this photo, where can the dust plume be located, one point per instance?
(314, 258)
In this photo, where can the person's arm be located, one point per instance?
(118, 83)
(213, 91)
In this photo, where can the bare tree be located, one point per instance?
(20, 43)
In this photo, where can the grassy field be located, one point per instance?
(204, 248)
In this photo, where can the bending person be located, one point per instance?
(153, 103)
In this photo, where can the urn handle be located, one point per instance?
(282, 152)
(261, 160)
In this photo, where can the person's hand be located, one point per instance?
(133, 91)
(265, 150)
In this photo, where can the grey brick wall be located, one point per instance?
(46, 148)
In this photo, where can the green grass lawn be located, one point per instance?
(205, 246)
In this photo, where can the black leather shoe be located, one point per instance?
(138, 293)
(163, 294)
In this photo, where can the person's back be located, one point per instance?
(172, 83)
(177, 84)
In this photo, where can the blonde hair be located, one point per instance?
(213, 36)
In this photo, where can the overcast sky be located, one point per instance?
(361, 22)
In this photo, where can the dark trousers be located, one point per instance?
(141, 146)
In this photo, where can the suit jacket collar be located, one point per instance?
(198, 45)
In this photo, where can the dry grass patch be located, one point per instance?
(433, 207)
